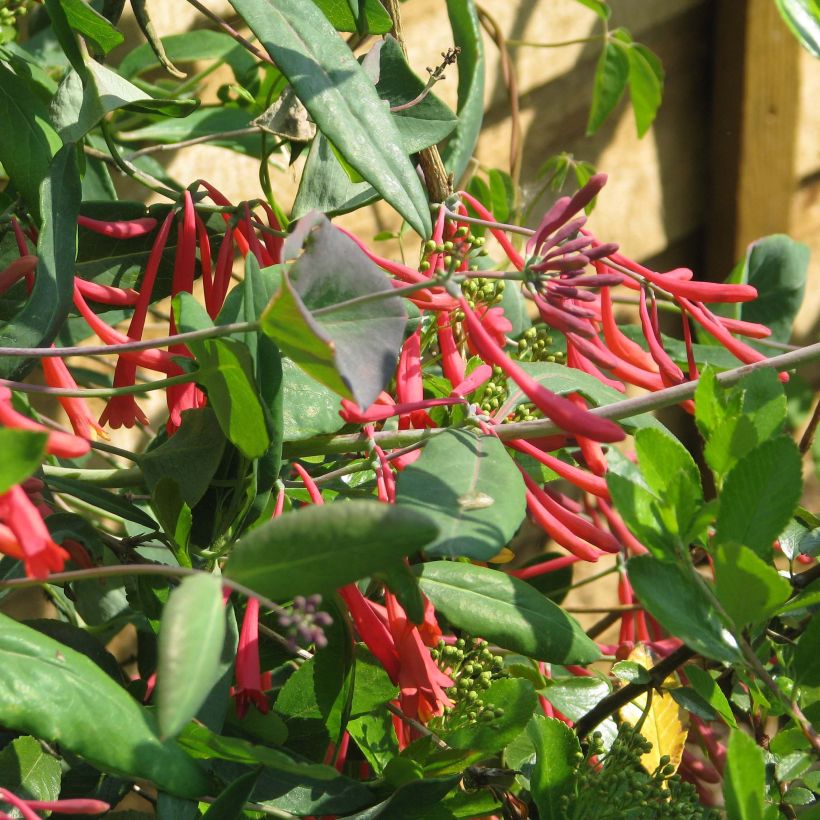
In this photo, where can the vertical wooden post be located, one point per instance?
(754, 114)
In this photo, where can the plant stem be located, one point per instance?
(144, 344)
(228, 29)
(560, 44)
(173, 146)
(126, 477)
(611, 703)
(389, 439)
(98, 392)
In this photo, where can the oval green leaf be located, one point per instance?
(191, 636)
(471, 488)
(59, 695)
(318, 549)
(505, 611)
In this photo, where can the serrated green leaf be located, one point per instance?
(759, 495)
(191, 637)
(505, 611)
(645, 86)
(749, 589)
(341, 99)
(471, 488)
(27, 771)
(611, 77)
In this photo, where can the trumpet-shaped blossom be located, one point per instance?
(28, 808)
(24, 535)
(249, 683)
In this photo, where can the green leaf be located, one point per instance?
(803, 19)
(105, 91)
(706, 686)
(371, 17)
(777, 266)
(191, 638)
(748, 588)
(189, 458)
(373, 685)
(84, 710)
(467, 36)
(340, 98)
(744, 778)
(23, 452)
(350, 349)
(471, 488)
(807, 656)
(309, 408)
(598, 6)
(200, 44)
(226, 372)
(611, 76)
(229, 804)
(517, 700)
(575, 696)
(556, 758)
(645, 85)
(27, 140)
(92, 25)
(759, 495)
(505, 611)
(40, 319)
(639, 508)
(318, 549)
(204, 744)
(671, 473)
(672, 597)
(27, 771)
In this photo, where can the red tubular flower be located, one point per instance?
(620, 530)
(559, 532)
(670, 372)
(59, 444)
(123, 411)
(494, 322)
(560, 319)
(74, 806)
(32, 542)
(310, 485)
(616, 341)
(248, 689)
(634, 375)
(421, 682)
(482, 374)
(372, 630)
(452, 362)
(23, 266)
(559, 409)
(553, 565)
(751, 329)
(181, 397)
(82, 422)
(564, 209)
(575, 475)
(572, 521)
(127, 229)
(107, 294)
(673, 283)
(159, 360)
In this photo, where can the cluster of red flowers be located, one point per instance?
(566, 296)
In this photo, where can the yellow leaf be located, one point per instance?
(666, 724)
(503, 557)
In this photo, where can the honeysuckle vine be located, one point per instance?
(344, 538)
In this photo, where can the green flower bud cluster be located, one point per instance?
(622, 787)
(10, 11)
(484, 291)
(535, 345)
(473, 666)
(494, 392)
(455, 250)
